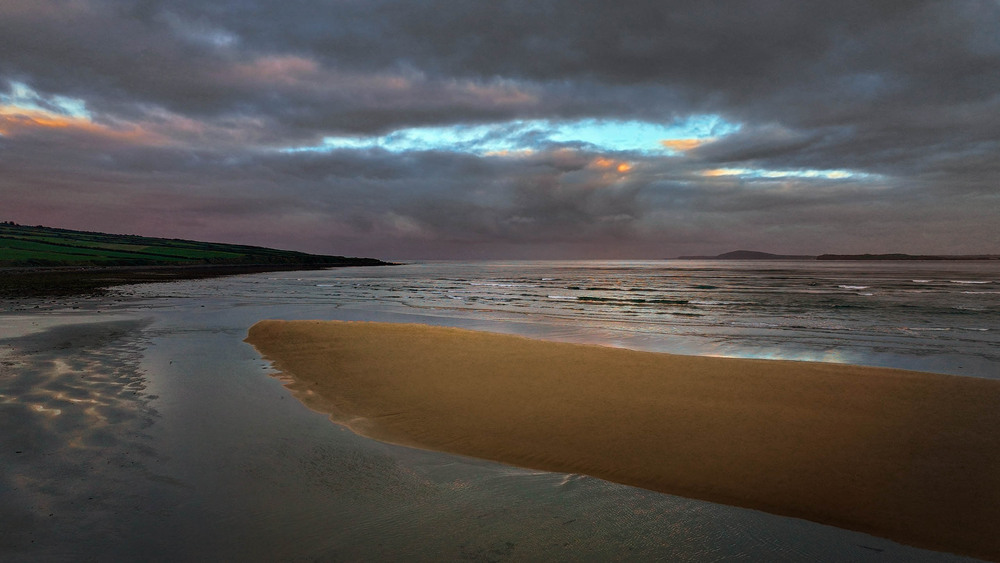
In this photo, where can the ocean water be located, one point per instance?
(941, 317)
(140, 426)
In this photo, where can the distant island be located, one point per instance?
(41, 260)
(755, 255)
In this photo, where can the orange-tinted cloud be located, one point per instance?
(716, 172)
(683, 145)
(15, 120)
(604, 163)
(609, 164)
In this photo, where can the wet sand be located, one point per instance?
(910, 456)
(77, 460)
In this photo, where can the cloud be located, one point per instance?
(682, 145)
(852, 124)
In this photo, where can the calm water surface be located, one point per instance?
(933, 316)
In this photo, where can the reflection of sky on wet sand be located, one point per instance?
(173, 442)
(74, 414)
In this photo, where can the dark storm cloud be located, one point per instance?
(188, 103)
(817, 63)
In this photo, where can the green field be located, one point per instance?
(22, 246)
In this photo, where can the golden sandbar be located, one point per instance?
(910, 456)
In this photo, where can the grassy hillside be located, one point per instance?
(43, 246)
(47, 262)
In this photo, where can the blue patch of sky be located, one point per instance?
(597, 134)
(766, 174)
(23, 96)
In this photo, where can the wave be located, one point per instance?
(636, 301)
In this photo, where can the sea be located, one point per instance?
(935, 316)
(139, 426)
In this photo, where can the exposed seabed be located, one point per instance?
(157, 434)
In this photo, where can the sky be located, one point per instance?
(642, 129)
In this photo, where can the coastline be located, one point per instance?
(905, 455)
(27, 282)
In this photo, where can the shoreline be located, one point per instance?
(905, 455)
(48, 281)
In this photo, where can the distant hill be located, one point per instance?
(754, 255)
(749, 255)
(23, 246)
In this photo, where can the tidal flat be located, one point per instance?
(140, 426)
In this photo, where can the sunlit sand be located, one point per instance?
(910, 456)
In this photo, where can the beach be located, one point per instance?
(138, 424)
(905, 455)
